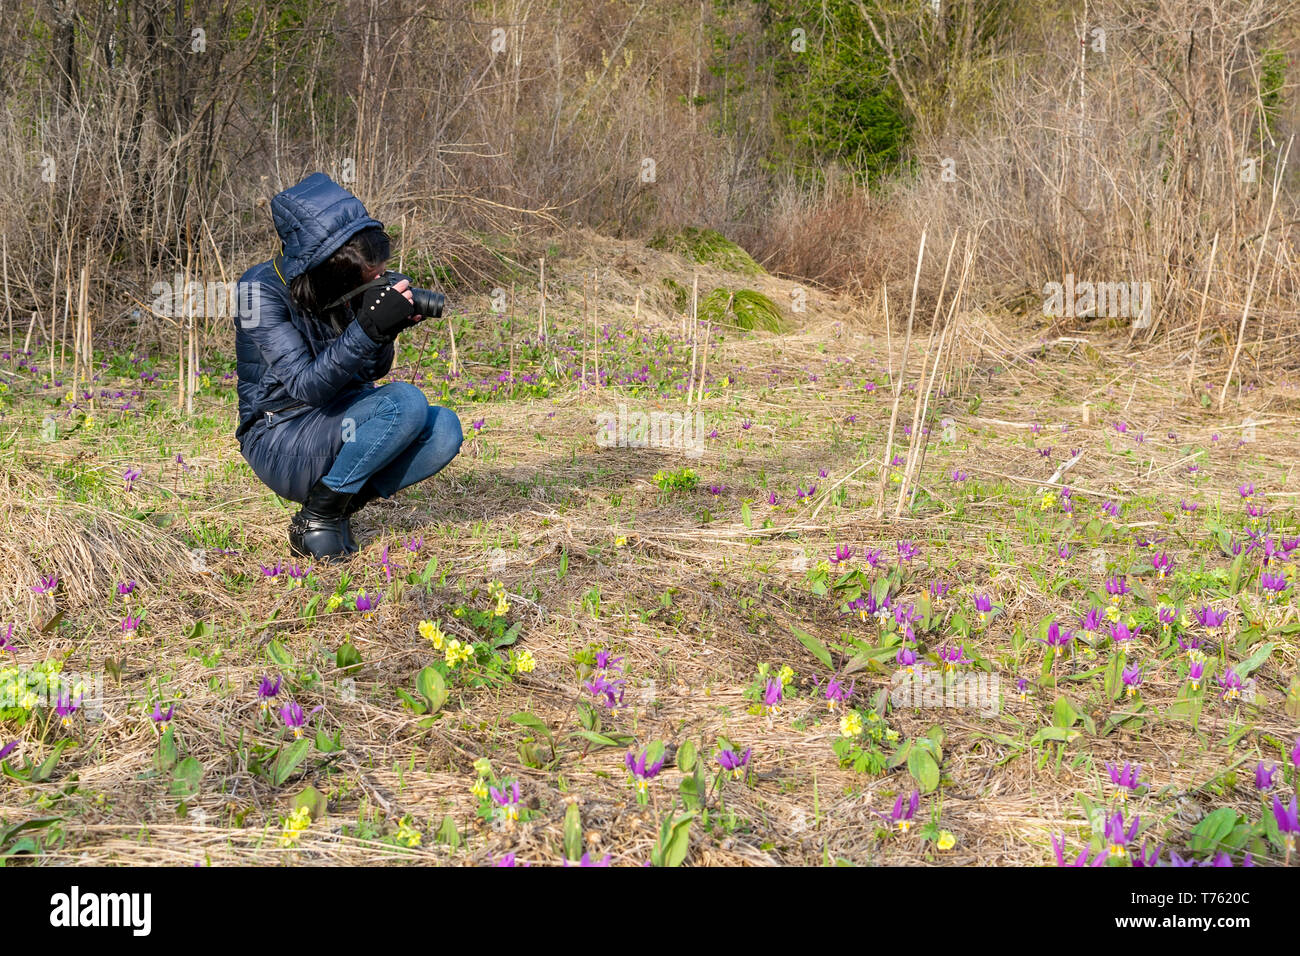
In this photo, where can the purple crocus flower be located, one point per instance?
(902, 816)
(736, 763)
(124, 589)
(836, 694)
(46, 585)
(772, 498)
(1058, 847)
(130, 623)
(160, 718)
(414, 544)
(1132, 677)
(1264, 776)
(953, 657)
(642, 772)
(1196, 673)
(507, 800)
(273, 571)
(1117, 836)
(1058, 638)
(65, 707)
(588, 861)
(772, 696)
(1210, 617)
(1288, 822)
(906, 658)
(984, 605)
(1231, 683)
(1121, 634)
(5, 644)
(266, 692)
(7, 749)
(131, 475)
(294, 718)
(1117, 587)
(1092, 621)
(366, 604)
(1247, 491)
(1162, 564)
(843, 553)
(1125, 778)
(907, 551)
(939, 590)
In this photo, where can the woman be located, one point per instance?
(312, 424)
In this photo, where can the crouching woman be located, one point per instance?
(313, 425)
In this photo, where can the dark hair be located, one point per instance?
(341, 272)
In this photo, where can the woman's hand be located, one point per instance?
(404, 287)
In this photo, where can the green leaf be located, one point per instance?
(313, 800)
(347, 657)
(509, 637)
(448, 834)
(599, 739)
(186, 778)
(921, 765)
(1254, 660)
(817, 648)
(686, 757)
(525, 719)
(288, 760)
(1207, 834)
(46, 769)
(573, 833)
(674, 841)
(432, 688)
(280, 657)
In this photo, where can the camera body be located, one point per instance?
(427, 302)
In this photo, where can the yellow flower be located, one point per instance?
(458, 652)
(620, 540)
(1049, 499)
(89, 422)
(407, 835)
(786, 675)
(333, 603)
(296, 822)
(524, 662)
(433, 633)
(946, 840)
(502, 605)
(850, 724)
(482, 766)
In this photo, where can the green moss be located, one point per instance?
(708, 246)
(745, 309)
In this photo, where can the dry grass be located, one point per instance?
(693, 605)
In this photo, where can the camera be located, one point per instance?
(427, 302)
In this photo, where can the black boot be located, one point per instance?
(320, 528)
(362, 498)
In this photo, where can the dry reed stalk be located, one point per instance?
(695, 291)
(889, 338)
(586, 311)
(541, 314)
(1254, 275)
(898, 387)
(704, 361)
(67, 307)
(595, 321)
(1200, 318)
(451, 331)
(911, 480)
(9, 312)
(914, 438)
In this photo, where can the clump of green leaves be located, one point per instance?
(708, 246)
(744, 308)
(676, 479)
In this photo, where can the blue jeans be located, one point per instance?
(393, 437)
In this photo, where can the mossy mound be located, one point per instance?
(710, 247)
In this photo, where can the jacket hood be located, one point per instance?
(313, 219)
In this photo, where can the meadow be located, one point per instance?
(921, 587)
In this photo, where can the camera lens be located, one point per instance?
(428, 303)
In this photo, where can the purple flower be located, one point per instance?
(294, 718)
(642, 772)
(1058, 847)
(478, 424)
(4, 642)
(984, 605)
(1132, 677)
(46, 584)
(588, 861)
(65, 707)
(1092, 620)
(1125, 778)
(7, 749)
(130, 476)
(1162, 564)
(266, 692)
(414, 544)
(1247, 490)
(1264, 776)
(959, 476)
(1288, 821)
(124, 589)
(1195, 673)
(772, 696)
(366, 604)
(507, 800)
(952, 657)
(835, 693)
(1058, 638)
(1117, 587)
(736, 763)
(160, 718)
(1117, 836)
(1120, 633)
(906, 658)
(902, 816)
(1231, 683)
(842, 554)
(130, 623)
(1210, 617)
(273, 571)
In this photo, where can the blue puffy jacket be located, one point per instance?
(297, 373)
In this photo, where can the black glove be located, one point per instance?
(384, 313)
